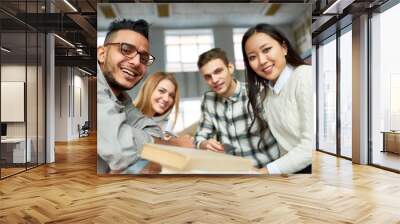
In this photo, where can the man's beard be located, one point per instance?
(114, 84)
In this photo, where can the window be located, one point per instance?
(385, 86)
(394, 119)
(189, 113)
(327, 96)
(237, 45)
(346, 94)
(101, 36)
(22, 64)
(183, 48)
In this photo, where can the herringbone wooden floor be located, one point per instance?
(69, 191)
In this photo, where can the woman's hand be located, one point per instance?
(263, 170)
(183, 141)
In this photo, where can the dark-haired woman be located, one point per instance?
(281, 96)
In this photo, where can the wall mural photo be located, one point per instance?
(232, 93)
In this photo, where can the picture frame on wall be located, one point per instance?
(170, 112)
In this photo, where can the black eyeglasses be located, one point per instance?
(130, 51)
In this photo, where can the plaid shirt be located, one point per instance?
(228, 120)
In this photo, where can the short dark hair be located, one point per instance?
(215, 53)
(140, 26)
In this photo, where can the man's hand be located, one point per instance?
(182, 141)
(213, 145)
(151, 168)
(115, 171)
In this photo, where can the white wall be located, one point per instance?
(13, 73)
(33, 125)
(61, 103)
(80, 98)
(70, 84)
(17, 73)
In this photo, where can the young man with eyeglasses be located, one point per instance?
(122, 129)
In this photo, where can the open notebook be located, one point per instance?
(180, 160)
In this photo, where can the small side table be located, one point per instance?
(391, 141)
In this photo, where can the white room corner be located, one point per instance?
(71, 103)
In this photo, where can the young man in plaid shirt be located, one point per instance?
(225, 118)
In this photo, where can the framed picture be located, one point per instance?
(204, 88)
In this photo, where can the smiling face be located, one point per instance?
(121, 72)
(218, 76)
(163, 97)
(266, 56)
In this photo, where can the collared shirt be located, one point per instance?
(282, 79)
(228, 121)
(122, 129)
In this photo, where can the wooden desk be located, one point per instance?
(391, 141)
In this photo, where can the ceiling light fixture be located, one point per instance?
(5, 49)
(337, 7)
(331, 7)
(79, 51)
(272, 9)
(65, 41)
(84, 71)
(70, 5)
(163, 10)
(108, 11)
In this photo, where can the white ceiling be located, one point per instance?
(185, 15)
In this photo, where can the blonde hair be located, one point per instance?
(143, 102)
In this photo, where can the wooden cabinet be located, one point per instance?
(391, 141)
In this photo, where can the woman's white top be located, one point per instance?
(289, 111)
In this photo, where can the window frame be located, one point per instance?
(238, 62)
(183, 66)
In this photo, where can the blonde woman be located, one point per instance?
(157, 97)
